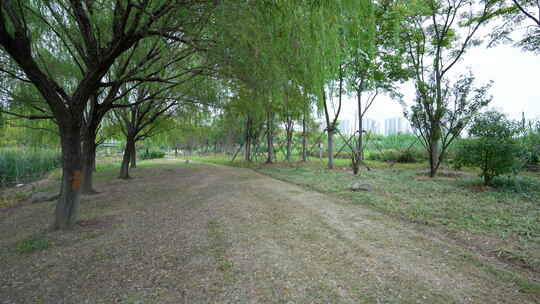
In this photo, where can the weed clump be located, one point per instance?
(32, 245)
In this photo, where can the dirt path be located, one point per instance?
(212, 234)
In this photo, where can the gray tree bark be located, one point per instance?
(270, 138)
(304, 139)
(89, 162)
(67, 208)
(331, 148)
(126, 159)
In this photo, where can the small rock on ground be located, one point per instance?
(40, 197)
(361, 187)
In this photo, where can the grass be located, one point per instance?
(33, 244)
(20, 165)
(219, 240)
(457, 203)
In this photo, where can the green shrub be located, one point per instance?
(531, 144)
(151, 154)
(400, 142)
(23, 165)
(392, 155)
(492, 147)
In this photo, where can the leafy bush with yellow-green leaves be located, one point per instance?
(492, 147)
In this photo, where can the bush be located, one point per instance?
(531, 144)
(493, 147)
(151, 154)
(341, 155)
(392, 155)
(23, 165)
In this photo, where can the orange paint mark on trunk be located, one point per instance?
(77, 180)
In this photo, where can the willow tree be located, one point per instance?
(162, 62)
(291, 111)
(438, 35)
(90, 36)
(323, 25)
(139, 121)
(252, 116)
(253, 37)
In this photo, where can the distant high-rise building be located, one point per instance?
(396, 125)
(370, 125)
(345, 127)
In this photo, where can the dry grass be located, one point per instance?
(190, 233)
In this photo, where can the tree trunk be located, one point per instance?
(487, 179)
(435, 134)
(270, 139)
(67, 207)
(248, 140)
(356, 167)
(304, 139)
(288, 156)
(434, 158)
(434, 154)
(289, 141)
(133, 155)
(331, 125)
(89, 161)
(360, 152)
(330, 148)
(124, 169)
(94, 167)
(248, 150)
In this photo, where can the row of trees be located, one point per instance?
(78, 60)
(138, 66)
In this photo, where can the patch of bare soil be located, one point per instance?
(285, 164)
(213, 234)
(442, 173)
(480, 188)
(98, 223)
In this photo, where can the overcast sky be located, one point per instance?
(516, 85)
